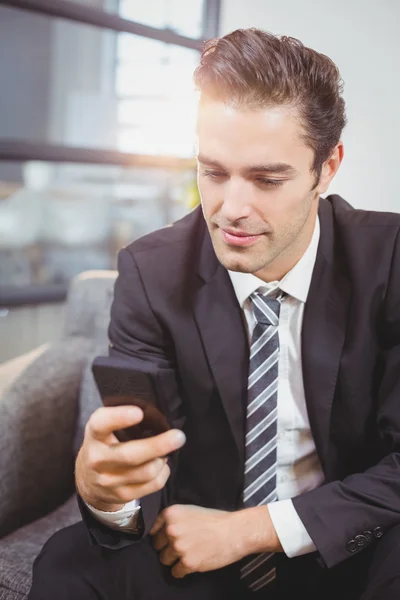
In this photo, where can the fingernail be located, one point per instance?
(134, 412)
(179, 437)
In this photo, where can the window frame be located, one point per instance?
(12, 150)
(23, 150)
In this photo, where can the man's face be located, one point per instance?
(256, 186)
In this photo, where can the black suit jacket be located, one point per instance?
(175, 308)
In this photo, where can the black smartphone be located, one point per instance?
(119, 384)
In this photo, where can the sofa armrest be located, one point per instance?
(13, 368)
(38, 407)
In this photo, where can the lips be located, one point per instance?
(237, 233)
(238, 238)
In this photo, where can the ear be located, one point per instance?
(330, 168)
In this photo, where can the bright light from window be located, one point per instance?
(183, 16)
(157, 101)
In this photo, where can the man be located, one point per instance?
(279, 314)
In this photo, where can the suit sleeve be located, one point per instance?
(345, 517)
(137, 336)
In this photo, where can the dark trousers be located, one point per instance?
(70, 568)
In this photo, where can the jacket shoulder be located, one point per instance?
(346, 214)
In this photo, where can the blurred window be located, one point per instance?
(68, 218)
(156, 97)
(154, 80)
(182, 16)
(85, 90)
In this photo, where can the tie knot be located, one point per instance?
(266, 309)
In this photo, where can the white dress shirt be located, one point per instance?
(298, 466)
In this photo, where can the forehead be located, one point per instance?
(240, 137)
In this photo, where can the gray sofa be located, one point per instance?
(46, 397)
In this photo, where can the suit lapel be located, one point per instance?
(323, 335)
(221, 327)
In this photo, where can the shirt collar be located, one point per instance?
(295, 283)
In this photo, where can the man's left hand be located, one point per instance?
(195, 539)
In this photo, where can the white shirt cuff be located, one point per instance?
(290, 530)
(125, 518)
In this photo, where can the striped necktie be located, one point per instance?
(258, 571)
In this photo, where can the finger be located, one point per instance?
(127, 493)
(179, 571)
(160, 540)
(107, 419)
(158, 524)
(116, 476)
(168, 556)
(139, 452)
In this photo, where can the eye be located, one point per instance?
(270, 182)
(214, 174)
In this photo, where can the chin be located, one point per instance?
(241, 269)
(240, 259)
(234, 262)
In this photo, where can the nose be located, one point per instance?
(236, 201)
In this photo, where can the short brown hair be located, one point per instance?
(254, 68)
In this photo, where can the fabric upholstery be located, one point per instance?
(19, 549)
(86, 296)
(37, 417)
(89, 398)
(46, 398)
(11, 369)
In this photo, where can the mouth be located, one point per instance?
(239, 238)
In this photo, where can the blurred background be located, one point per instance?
(97, 112)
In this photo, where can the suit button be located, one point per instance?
(378, 532)
(368, 536)
(360, 540)
(351, 546)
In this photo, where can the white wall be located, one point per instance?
(363, 40)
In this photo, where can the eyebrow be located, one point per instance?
(281, 168)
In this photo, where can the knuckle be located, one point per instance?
(125, 494)
(157, 483)
(104, 480)
(167, 513)
(178, 547)
(149, 488)
(94, 423)
(89, 432)
(165, 472)
(187, 563)
(161, 478)
(171, 530)
(172, 512)
(156, 486)
(159, 465)
(151, 471)
(125, 455)
(94, 459)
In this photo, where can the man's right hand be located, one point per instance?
(109, 473)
